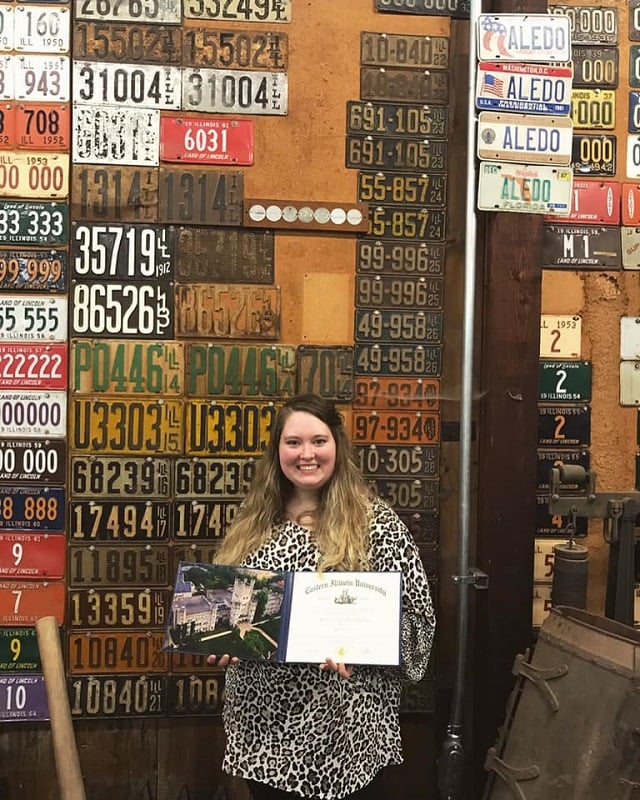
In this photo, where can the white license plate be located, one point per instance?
(526, 88)
(235, 92)
(6, 28)
(42, 29)
(136, 85)
(33, 174)
(543, 559)
(560, 336)
(529, 189)
(33, 319)
(630, 383)
(35, 414)
(116, 135)
(40, 78)
(525, 138)
(590, 24)
(630, 338)
(630, 247)
(524, 37)
(633, 155)
(157, 11)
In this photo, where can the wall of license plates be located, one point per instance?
(184, 244)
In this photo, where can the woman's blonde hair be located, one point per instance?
(342, 518)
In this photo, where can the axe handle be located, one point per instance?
(64, 743)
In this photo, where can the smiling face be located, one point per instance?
(307, 452)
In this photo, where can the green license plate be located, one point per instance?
(19, 650)
(227, 370)
(564, 381)
(327, 371)
(36, 223)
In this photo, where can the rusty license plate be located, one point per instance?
(548, 459)
(118, 608)
(404, 85)
(585, 246)
(120, 565)
(34, 414)
(225, 255)
(116, 134)
(43, 126)
(590, 24)
(406, 394)
(564, 426)
(24, 461)
(594, 202)
(394, 153)
(136, 427)
(394, 292)
(40, 508)
(429, 191)
(227, 311)
(399, 258)
(217, 478)
(221, 91)
(116, 696)
(30, 556)
(39, 223)
(132, 43)
(39, 270)
(397, 119)
(595, 67)
(126, 367)
(593, 108)
(23, 698)
(240, 10)
(393, 360)
(200, 197)
(33, 317)
(398, 50)
(155, 86)
(19, 650)
(408, 495)
(394, 461)
(119, 520)
(114, 193)
(235, 49)
(33, 365)
(227, 429)
(203, 519)
(100, 652)
(206, 141)
(398, 326)
(326, 371)
(24, 602)
(396, 427)
(247, 371)
(594, 154)
(118, 477)
(195, 695)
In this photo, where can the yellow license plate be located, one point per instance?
(34, 174)
(227, 429)
(593, 108)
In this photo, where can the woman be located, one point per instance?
(299, 730)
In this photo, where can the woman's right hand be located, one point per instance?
(222, 661)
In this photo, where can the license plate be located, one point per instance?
(415, 394)
(225, 255)
(118, 608)
(198, 553)
(226, 370)
(594, 154)
(397, 119)
(423, 525)
(560, 336)
(396, 461)
(114, 193)
(528, 189)
(404, 86)
(386, 291)
(41, 29)
(630, 237)
(630, 204)
(393, 427)
(304, 215)
(522, 37)
(407, 495)
(595, 202)
(123, 309)
(126, 367)
(524, 138)
(588, 246)
(237, 49)
(7, 37)
(42, 126)
(397, 50)
(195, 695)
(119, 521)
(525, 88)
(547, 459)
(24, 461)
(8, 126)
(206, 519)
(23, 222)
(7, 77)
(121, 565)
(115, 135)
(633, 156)
(593, 108)
(41, 78)
(19, 650)
(228, 312)
(634, 20)
(227, 429)
(411, 223)
(201, 197)
(39, 270)
(99, 652)
(326, 371)
(396, 153)
(156, 11)
(32, 555)
(399, 258)
(137, 85)
(555, 524)
(23, 698)
(393, 360)
(218, 478)
(387, 188)
(239, 10)
(564, 426)
(543, 560)
(137, 427)
(37, 414)
(407, 327)
(33, 365)
(595, 67)
(630, 387)
(23, 603)
(115, 696)
(33, 318)
(458, 9)
(32, 508)
(123, 252)
(629, 338)
(564, 381)
(590, 24)
(221, 91)
(206, 141)
(150, 44)
(120, 477)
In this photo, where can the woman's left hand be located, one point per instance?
(343, 670)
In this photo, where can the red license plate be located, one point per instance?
(630, 204)
(23, 603)
(32, 555)
(43, 126)
(594, 202)
(206, 141)
(33, 365)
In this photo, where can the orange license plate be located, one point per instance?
(415, 394)
(22, 602)
(43, 126)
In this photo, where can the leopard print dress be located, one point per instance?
(311, 732)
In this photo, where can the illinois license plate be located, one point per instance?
(429, 191)
(395, 427)
(594, 154)
(32, 508)
(41, 78)
(239, 10)
(397, 119)
(19, 650)
(398, 326)
(393, 360)
(548, 459)
(42, 126)
(123, 309)
(23, 698)
(34, 174)
(525, 88)
(32, 555)
(555, 524)
(399, 258)
(205, 519)
(116, 134)
(23, 222)
(588, 246)
(221, 91)
(416, 394)
(633, 156)
(630, 243)
(130, 43)
(41, 29)
(136, 427)
(523, 37)
(408, 495)
(458, 9)
(564, 381)
(227, 429)
(115, 696)
(235, 311)
(24, 461)
(126, 367)
(24, 602)
(40, 270)
(529, 189)
(137, 85)
(595, 67)
(118, 608)
(634, 20)
(196, 552)
(590, 24)
(99, 652)
(218, 478)
(235, 49)
(116, 193)
(391, 292)
(593, 108)
(33, 365)
(564, 426)
(414, 222)
(37, 414)
(560, 336)
(397, 461)
(543, 560)
(397, 50)
(404, 86)
(121, 565)
(7, 37)
(119, 521)
(226, 370)
(225, 255)
(200, 197)
(326, 371)
(195, 695)
(423, 525)
(156, 11)
(527, 138)
(33, 318)
(386, 152)
(595, 202)
(120, 477)
(206, 141)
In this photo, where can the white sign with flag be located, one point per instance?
(527, 88)
(524, 37)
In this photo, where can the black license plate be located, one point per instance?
(199, 197)
(590, 24)
(121, 565)
(123, 310)
(33, 461)
(570, 246)
(393, 360)
(194, 695)
(225, 255)
(593, 154)
(395, 119)
(32, 508)
(237, 49)
(118, 608)
(413, 223)
(407, 495)
(429, 191)
(19, 650)
(548, 459)
(404, 85)
(399, 258)
(326, 371)
(227, 429)
(555, 524)
(227, 311)
(424, 526)
(458, 9)
(217, 478)
(398, 50)
(594, 67)
(393, 461)
(99, 652)
(124, 252)
(203, 519)
(415, 394)
(228, 370)
(406, 327)
(119, 521)
(40, 270)
(34, 223)
(396, 427)
(114, 192)
(564, 426)
(199, 552)
(117, 477)
(391, 292)
(115, 696)
(129, 44)
(385, 152)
